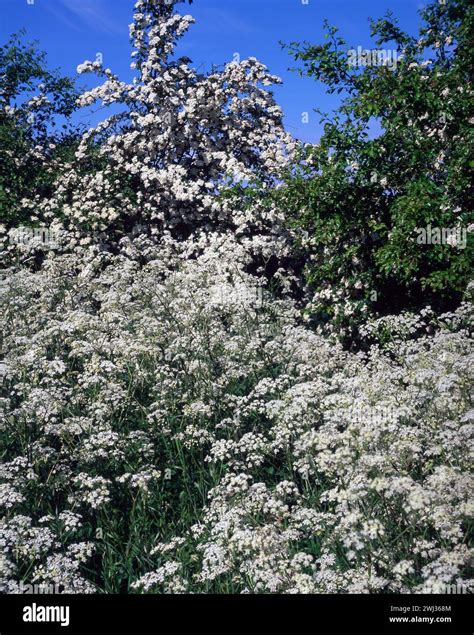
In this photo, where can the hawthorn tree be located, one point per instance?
(181, 139)
(360, 200)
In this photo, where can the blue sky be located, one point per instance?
(72, 31)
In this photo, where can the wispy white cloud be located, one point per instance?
(86, 14)
(57, 10)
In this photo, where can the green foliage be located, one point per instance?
(357, 199)
(35, 130)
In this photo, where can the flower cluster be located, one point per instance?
(293, 465)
